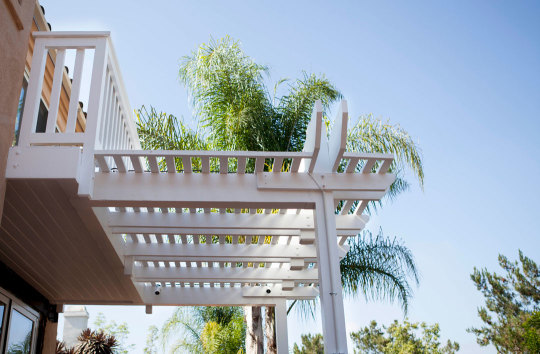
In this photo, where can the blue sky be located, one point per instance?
(462, 77)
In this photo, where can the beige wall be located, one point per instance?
(15, 24)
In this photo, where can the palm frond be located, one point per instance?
(379, 267)
(227, 91)
(372, 135)
(296, 107)
(187, 325)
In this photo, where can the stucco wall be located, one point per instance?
(14, 14)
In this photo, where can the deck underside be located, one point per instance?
(66, 257)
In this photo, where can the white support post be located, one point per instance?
(95, 102)
(333, 315)
(282, 336)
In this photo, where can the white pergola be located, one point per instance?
(207, 227)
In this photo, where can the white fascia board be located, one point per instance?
(276, 290)
(122, 222)
(207, 220)
(219, 252)
(238, 275)
(217, 296)
(192, 190)
(211, 231)
(345, 182)
(58, 162)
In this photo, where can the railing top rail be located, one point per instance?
(196, 153)
(366, 155)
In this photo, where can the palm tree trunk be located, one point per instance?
(270, 329)
(254, 330)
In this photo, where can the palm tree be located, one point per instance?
(236, 111)
(95, 342)
(208, 330)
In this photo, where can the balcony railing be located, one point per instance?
(109, 117)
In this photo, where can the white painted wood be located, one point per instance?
(385, 166)
(241, 168)
(351, 166)
(278, 162)
(217, 296)
(287, 285)
(368, 165)
(333, 316)
(297, 264)
(195, 271)
(128, 266)
(202, 274)
(325, 181)
(338, 137)
(222, 231)
(223, 221)
(60, 162)
(312, 143)
(96, 101)
(171, 166)
(220, 252)
(215, 190)
(282, 337)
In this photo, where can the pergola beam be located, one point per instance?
(130, 222)
(220, 296)
(274, 190)
(233, 275)
(218, 252)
